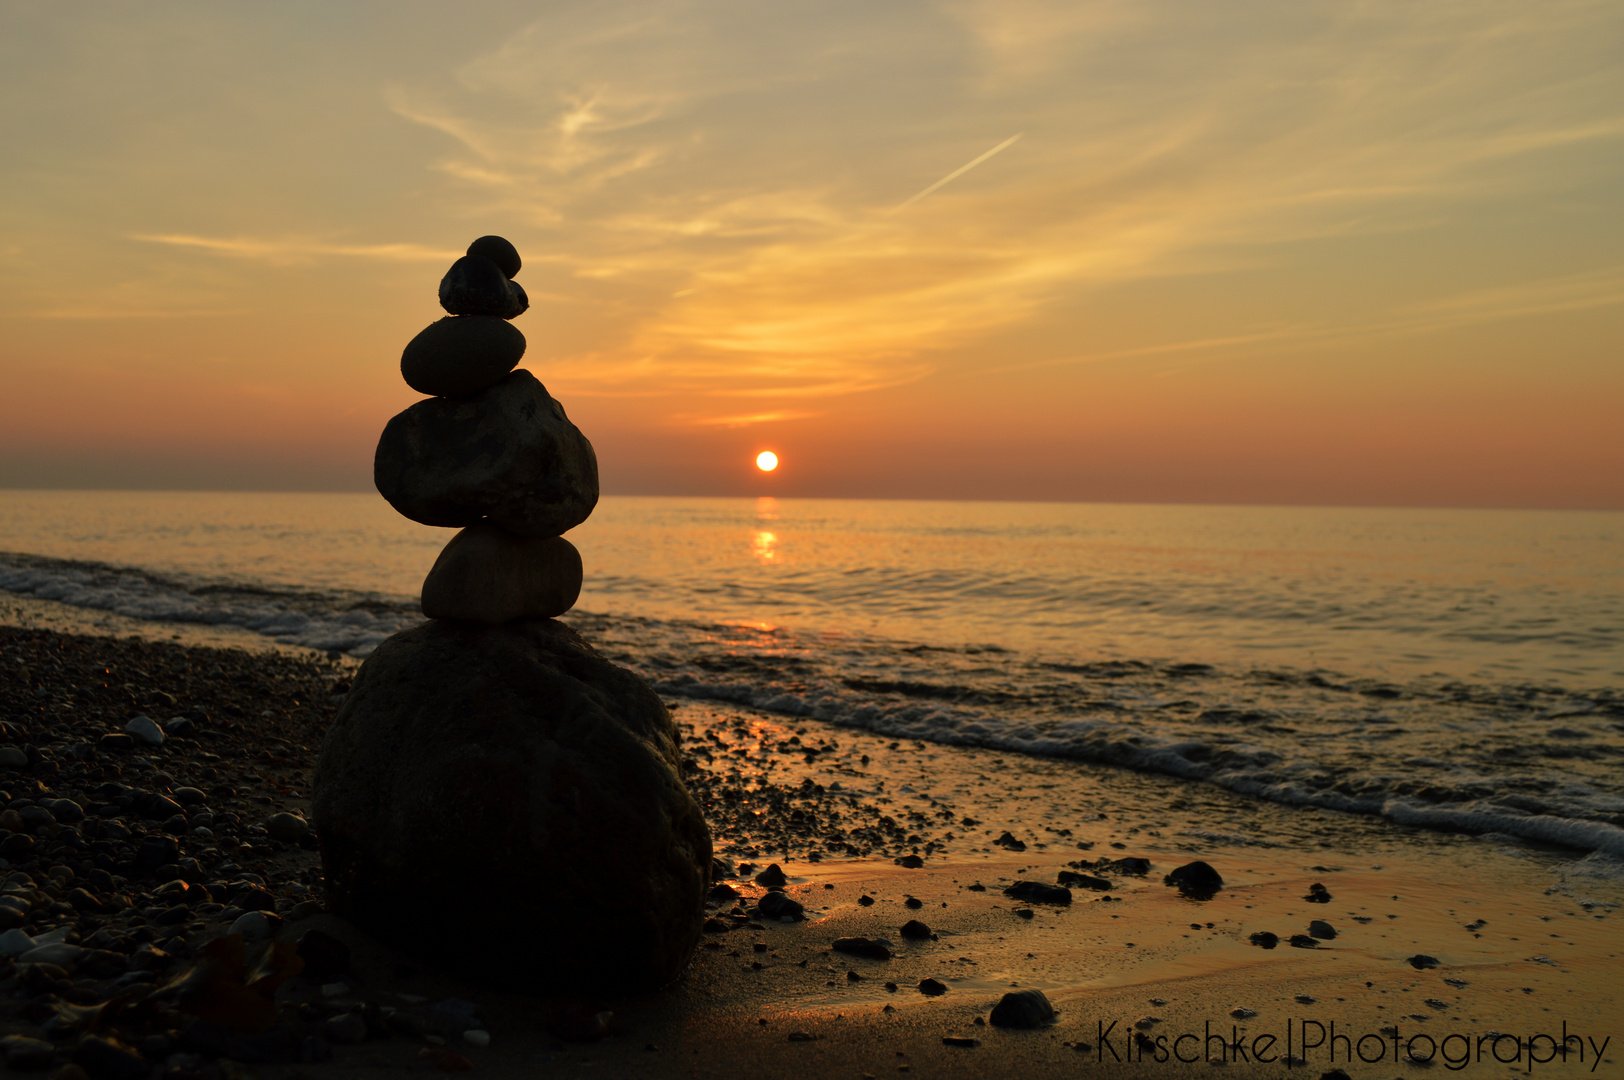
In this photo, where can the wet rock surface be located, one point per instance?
(507, 453)
(483, 801)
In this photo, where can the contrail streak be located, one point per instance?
(961, 170)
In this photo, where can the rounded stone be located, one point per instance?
(1022, 1009)
(289, 828)
(508, 453)
(499, 251)
(511, 788)
(461, 355)
(1197, 881)
(491, 576)
(476, 286)
(146, 729)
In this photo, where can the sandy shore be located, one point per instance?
(1524, 940)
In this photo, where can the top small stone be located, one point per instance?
(498, 251)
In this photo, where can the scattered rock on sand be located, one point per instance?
(1197, 881)
(1318, 894)
(461, 355)
(775, 905)
(1036, 892)
(773, 877)
(914, 930)
(1265, 940)
(1323, 930)
(1130, 865)
(474, 780)
(1008, 840)
(1074, 880)
(932, 987)
(508, 452)
(1421, 961)
(867, 948)
(487, 575)
(1303, 941)
(1022, 1009)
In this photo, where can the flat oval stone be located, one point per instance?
(490, 576)
(476, 286)
(461, 355)
(508, 453)
(499, 251)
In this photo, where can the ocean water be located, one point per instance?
(1445, 669)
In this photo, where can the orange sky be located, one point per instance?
(1279, 252)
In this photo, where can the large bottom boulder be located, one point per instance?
(505, 802)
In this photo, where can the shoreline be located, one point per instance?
(770, 787)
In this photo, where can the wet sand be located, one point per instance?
(1525, 939)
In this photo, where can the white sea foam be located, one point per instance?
(329, 621)
(1534, 762)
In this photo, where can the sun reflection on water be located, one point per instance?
(764, 545)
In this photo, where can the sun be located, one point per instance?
(766, 461)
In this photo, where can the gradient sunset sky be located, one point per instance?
(1269, 252)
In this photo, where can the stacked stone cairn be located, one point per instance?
(494, 795)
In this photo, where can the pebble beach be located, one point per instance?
(129, 861)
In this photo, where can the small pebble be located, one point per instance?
(146, 729)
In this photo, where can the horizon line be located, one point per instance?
(1226, 504)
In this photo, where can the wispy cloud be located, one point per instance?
(1549, 296)
(116, 314)
(298, 249)
(747, 420)
(736, 196)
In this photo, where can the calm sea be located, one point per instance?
(1452, 668)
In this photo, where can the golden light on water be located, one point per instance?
(766, 461)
